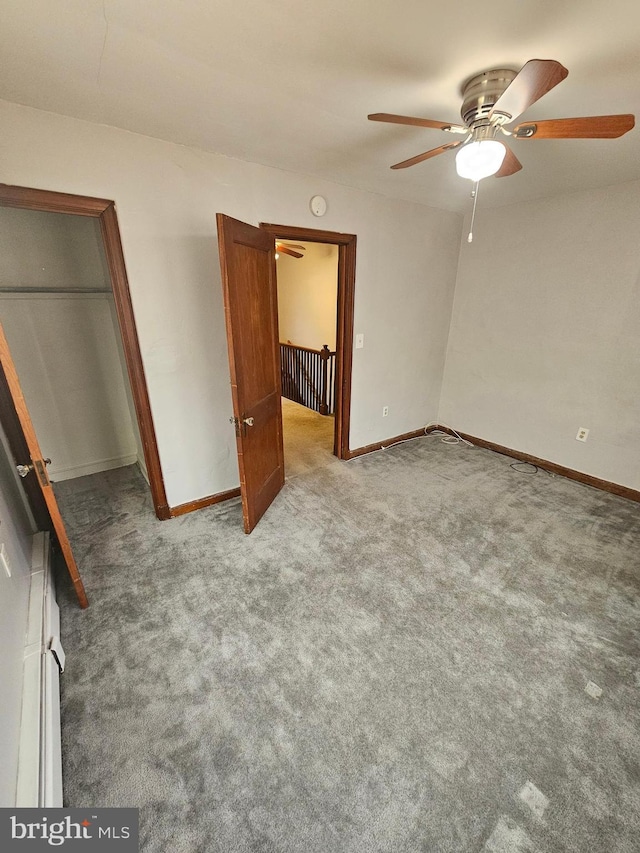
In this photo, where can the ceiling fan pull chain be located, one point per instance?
(474, 196)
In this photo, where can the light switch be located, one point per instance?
(359, 341)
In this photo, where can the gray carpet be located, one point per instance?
(395, 660)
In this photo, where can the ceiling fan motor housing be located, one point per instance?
(480, 94)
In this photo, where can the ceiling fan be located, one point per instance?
(293, 249)
(491, 101)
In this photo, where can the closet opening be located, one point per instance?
(67, 316)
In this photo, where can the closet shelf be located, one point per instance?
(54, 290)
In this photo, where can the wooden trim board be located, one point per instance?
(200, 503)
(29, 198)
(552, 467)
(133, 358)
(561, 470)
(383, 445)
(344, 322)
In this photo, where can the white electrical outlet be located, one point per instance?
(385, 411)
(583, 434)
(359, 341)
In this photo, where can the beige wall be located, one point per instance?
(65, 350)
(544, 337)
(307, 296)
(545, 333)
(166, 198)
(40, 249)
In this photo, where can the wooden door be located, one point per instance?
(36, 464)
(247, 262)
(19, 451)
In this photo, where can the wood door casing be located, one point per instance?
(344, 321)
(247, 265)
(28, 198)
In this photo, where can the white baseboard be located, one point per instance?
(59, 474)
(40, 754)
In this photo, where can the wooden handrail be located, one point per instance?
(307, 376)
(307, 349)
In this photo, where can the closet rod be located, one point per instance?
(54, 290)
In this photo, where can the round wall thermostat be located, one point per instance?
(318, 205)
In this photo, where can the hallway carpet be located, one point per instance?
(308, 439)
(418, 651)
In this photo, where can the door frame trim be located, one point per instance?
(104, 210)
(344, 322)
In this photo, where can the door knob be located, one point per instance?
(23, 470)
(237, 422)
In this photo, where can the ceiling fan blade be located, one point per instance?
(510, 164)
(291, 245)
(591, 127)
(427, 155)
(287, 251)
(535, 79)
(418, 122)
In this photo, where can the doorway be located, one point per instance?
(346, 265)
(307, 286)
(103, 212)
(248, 271)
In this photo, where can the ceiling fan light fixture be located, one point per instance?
(480, 159)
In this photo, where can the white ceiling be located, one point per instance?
(289, 84)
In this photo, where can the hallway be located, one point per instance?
(308, 439)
